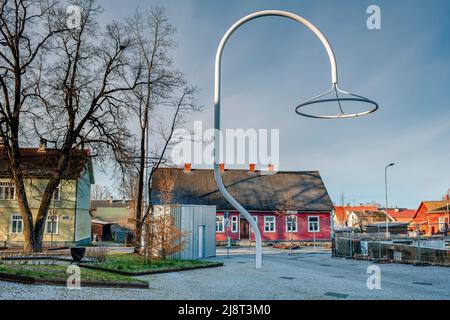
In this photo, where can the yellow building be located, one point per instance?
(69, 218)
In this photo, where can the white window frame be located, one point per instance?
(269, 223)
(12, 190)
(15, 217)
(309, 224)
(56, 225)
(234, 224)
(57, 193)
(295, 221)
(256, 220)
(220, 221)
(442, 221)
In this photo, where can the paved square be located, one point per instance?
(307, 274)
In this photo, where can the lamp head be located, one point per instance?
(341, 98)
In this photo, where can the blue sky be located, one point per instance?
(272, 64)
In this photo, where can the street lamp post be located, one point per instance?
(217, 113)
(386, 191)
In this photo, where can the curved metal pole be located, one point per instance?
(217, 140)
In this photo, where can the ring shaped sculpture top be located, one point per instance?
(339, 100)
(217, 141)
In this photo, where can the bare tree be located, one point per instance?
(99, 192)
(24, 33)
(165, 238)
(165, 89)
(166, 185)
(70, 83)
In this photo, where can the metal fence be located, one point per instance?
(401, 249)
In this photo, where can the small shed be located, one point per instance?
(101, 230)
(121, 234)
(198, 222)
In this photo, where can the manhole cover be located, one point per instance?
(423, 283)
(336, 295)
(287, 278)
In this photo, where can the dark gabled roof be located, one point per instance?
(37, 164)
(255, 191)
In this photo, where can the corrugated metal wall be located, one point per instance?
(188, 218)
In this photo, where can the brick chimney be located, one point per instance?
(252, 168)
(187, 167)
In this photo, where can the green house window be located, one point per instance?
(52, 225)
(16, 224)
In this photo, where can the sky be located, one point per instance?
(271, 65)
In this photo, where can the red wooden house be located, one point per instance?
(432, 217)
(288, 206)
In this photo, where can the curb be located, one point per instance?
(63, 282)
(144, 273)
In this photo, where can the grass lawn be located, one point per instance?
(130, 262)
(59, 272)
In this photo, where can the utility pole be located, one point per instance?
(386, 190)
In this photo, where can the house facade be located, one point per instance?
(341, 214)
(432, 217)
(297, 225)
(360, 219)
(287, 206)
(69, 219)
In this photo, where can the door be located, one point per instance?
(201, 242)
(244, 229)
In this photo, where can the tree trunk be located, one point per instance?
(141, 183)
(46, 201)
(47, 197)
(21, 195)
(30, 244)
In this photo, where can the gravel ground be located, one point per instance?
(307, 274)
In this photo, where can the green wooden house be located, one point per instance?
(69, 218)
